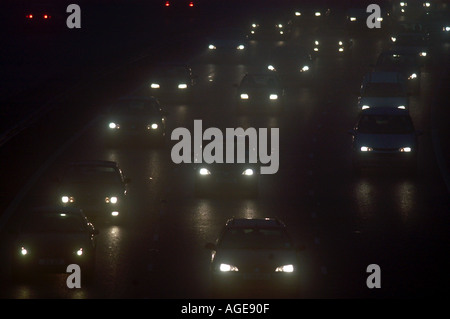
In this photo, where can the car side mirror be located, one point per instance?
(210, 246)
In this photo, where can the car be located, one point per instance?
(227, 41)
(331, 41)
(404, 61)
(356, 18)
(135, 119)
(255, 254)
(99, 187)
(437, 24)
(290, 62)
(171, 82)
(43, 17)
(311, 13)
(239, 178)
(270, 26)
(383, 89)
(49, 238)
(384, 138)
(416, 43)
(260, 92)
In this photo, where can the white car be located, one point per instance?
(384, 137)
(383, 89)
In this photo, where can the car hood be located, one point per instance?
(385, 141)
(54, 240)
(250, 259)
(385, 101)
(91, 188)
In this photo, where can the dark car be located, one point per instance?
(135, 119)
(268, 27)
(260, 93)
(227, 43)
(254, 255)
(404, 61)
(290, 62)
(42, 17)
(331, 41)
(51, 238)
(171, 82)
(96, 186)
(384, 137)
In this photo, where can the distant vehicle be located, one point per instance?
(171, 82)
(290, 62)
(96, 186)
(254, 253)
(43, 17)
(50, 238)
(383, 89)
(331, 42)
(311, 13)
(241, 176)
(414, 42)
(270, 27)
(437, 24)
(384, 137)
(405, 61)
(135, 119)
(227, 41)
(260, 92)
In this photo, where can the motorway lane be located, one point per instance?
(340, 218)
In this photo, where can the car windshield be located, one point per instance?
(383, 89)
(397, 60)
(134, 108)
(170, 72)
(52, 222)
(260, 81)
(385, 124)
(255, 238)
(92, 174)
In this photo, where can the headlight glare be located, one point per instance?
(285, 268)
(227, 267)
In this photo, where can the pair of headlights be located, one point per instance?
(25, 252)
(116, 126)
(245, 96)
(365, 107)
(157, 86)
(284, 268)
(402, 149)
(204, 171)
(71, 199)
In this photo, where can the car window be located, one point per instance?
(385, 124)
(255, 238)
(52, 222)
(383, 89)
(89, 174)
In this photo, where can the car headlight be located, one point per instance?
(297, 13)
(271, 67)
(423, 54)
(79, 252)
(426, 4)
(393, 39)
(113, 126)
(365, 107)
(227, 267)
(115, 213)
(412, 76)
(112, 200)
(23, 251)
(366, 149)
(67, 199)
(248, 172)
(204, 171)
(273, 96)
(317, 14)
(240, 47)
(352, 19)
(446, 29)
(154, 86)
(182, 86)
(304, 68)
(211, 47)
(403, 4)
(153, 126)
(341, 43)
(316, 42)
(254, 25)
(244, 96)
(341, 49)
(285, 268)
(280, 26)
(405, 149)
(402, 107)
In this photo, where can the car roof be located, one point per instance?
(383, 76)
(255, 222)
(384, 111)
(94, 163)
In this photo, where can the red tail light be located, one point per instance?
(46, 16)
(167, 4)
(191, 4)
(29, 16)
